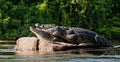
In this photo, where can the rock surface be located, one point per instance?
(29, 45)
(26, 44)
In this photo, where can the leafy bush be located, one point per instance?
(102, 16)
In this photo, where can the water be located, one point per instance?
(89, 55)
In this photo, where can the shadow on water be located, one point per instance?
(85, 54)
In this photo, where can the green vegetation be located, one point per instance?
(102, 16)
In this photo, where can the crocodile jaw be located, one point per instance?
(35, 32)
(41, 34)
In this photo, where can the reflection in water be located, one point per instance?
(85, 51)
(27, 53)
(86, 54)
(80, 51)
(88, 51)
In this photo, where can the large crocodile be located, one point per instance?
(74, 35)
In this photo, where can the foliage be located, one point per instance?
(102, 16)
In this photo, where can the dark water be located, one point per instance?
(89, 55)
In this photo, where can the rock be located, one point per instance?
(26, 44)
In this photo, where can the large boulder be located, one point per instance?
(25, 44)
(32, 46)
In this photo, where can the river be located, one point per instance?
(7, 54)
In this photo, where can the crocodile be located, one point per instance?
(74, 35)
(46, 45)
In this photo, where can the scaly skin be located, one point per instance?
(76, 35)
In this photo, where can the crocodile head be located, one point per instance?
(49, 34)
(41, 34)
(52, 29)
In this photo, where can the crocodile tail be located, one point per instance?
(102, 42)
